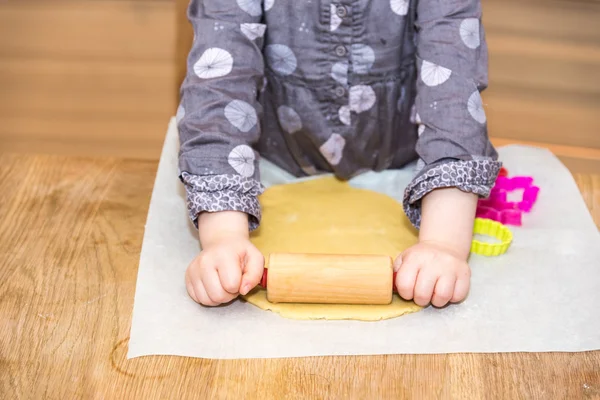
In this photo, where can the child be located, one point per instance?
(340, 86)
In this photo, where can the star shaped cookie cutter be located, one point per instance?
(498, 208)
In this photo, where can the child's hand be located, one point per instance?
(228, 264)
(429, 272)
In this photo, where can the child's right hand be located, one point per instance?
(228, 264)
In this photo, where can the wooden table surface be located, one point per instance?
(70, 236)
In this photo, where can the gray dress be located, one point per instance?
(341, 86)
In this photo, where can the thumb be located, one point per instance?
(406, 277)
(252, 270)
(230, 274)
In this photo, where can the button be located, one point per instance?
(340, 91)
(340, 51)
(341, 11)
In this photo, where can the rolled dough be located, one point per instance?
(326, 215)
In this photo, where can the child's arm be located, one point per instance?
(219, 121)
(457, 161)
(436, 270)
(447, 219)
(220, 112)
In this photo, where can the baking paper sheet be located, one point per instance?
(543, 295)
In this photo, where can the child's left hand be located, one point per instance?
(430, 272)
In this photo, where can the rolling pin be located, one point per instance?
(329, 279)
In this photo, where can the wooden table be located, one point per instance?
(70, 236)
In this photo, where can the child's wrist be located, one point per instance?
(223, 225)
(457, 249)
(447, 219)
(456, 242)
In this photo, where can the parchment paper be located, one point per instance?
(543, 295)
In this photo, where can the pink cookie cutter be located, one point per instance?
(498, 208)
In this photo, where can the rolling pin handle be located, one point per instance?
(393, 282)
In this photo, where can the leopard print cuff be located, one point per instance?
(223, 193)
(474, 176)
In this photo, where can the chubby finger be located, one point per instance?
(444, 290)
(196, 287)
(252, 270)
(406, 278)
(189, 287)
(461, 289)
(424, 287)
(203, 296)
(212, 285)
(230, 273)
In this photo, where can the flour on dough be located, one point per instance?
(326, 215)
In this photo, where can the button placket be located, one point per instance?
(341, 11)
(341, 51)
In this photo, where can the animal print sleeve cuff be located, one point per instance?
(474, 176)
(223, 193)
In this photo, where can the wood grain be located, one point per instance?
(577, 159)
(106, 29)
(70, 236)
(543, 59)
(86, 77)
(100, 108)
(185, 37)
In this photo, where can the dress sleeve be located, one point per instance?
(219, 115)
(453, 144)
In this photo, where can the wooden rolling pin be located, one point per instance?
(328, 278)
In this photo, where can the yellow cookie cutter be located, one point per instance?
(494, 229)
